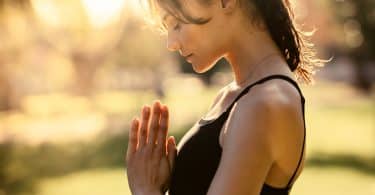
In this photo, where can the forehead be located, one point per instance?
(193, 8)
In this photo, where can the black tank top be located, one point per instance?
(199, 152)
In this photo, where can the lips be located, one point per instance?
(187, 56)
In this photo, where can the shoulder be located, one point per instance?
(274, 96)
(272, 99)
(268, 109)
(262, 130)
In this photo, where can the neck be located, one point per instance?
(249, 54)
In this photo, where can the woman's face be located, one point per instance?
(201, 45)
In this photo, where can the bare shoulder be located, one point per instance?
(271, 111)
(262, 137)
(275, 98)
(274, 94)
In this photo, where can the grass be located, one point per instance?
(339, 120)
(332, 181)
(340, 144)
(93, 182)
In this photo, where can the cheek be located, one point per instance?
(211, 42)
(206, 58)
(211, 49)
(206, 46)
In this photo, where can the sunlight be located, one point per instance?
(47, 12)
(101, 12)
(136, 8)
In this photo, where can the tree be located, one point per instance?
(358, 23)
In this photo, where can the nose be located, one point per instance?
(172, 43)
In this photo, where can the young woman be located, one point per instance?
(252, 140)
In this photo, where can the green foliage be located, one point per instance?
(339, 137)
(21, 165)
(358, 24)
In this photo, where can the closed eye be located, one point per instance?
(168, 21)
(177, 26)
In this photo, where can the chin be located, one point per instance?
(204, 66)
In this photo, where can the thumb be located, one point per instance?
(172, 151)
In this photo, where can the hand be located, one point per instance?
(150, 156)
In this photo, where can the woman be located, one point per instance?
(252, 139)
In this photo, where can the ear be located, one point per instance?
(228, 5)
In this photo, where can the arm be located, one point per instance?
(247, 150)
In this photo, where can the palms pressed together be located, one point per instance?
(150, 154)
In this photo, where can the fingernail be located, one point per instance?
(166, 112)
(135, 120)
(157, 102)
(147, 109)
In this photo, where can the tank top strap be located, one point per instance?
(294, 83)
(275, 76)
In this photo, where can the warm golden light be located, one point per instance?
(101, 13)
(47, 12)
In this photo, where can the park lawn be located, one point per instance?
(340, 125)
(332, 181)
(91, 182)
(339, 119)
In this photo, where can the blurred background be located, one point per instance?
(73, 73)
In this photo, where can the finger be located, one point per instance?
(144, 125)
(133, 138)
(154, 125)
(172, 151)
(163, 129)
